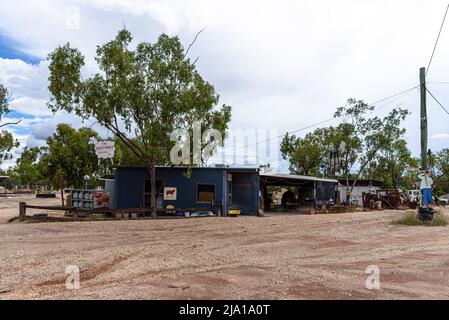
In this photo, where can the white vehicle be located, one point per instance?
(443, 200)
(413, 195)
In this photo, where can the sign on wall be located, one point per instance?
(170, 193)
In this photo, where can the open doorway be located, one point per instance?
(242, 192)
(159, 195)
(288, 197)
(283, 193)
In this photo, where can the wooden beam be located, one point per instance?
(22, 211)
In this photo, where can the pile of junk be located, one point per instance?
(394, 199)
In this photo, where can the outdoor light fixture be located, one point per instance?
(86, 178)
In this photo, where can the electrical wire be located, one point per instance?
(438, 38)
(394, 95)
(434, 98)
(402, 93)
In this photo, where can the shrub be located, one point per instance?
(410, 218)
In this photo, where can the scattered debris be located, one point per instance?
(384, 199)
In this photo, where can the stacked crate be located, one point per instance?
(83, 199)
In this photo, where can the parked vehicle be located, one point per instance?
(442, 201)
(413, 195)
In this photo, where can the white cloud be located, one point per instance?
(440, 136)
(280, 64)
(27, 85)
(167, 13)
(43, 130)
(30, 106)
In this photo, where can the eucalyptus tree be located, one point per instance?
(7, 141)
(365, 139)
(142, 96)
(69, 156)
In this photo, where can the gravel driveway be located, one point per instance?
(277, 257)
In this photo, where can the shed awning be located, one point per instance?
(291, 178)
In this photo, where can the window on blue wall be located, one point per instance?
(205, 193)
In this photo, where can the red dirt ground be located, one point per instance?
(277, 257)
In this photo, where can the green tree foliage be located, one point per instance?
(124, 156)
(69, 156)
(372, 134)
(391, 166)
(310, 155)
(7, 142)
(365, 139)
(441, 172)
(306, 157)
(12, 181)
(141, 95)
(28, 167)
(4, 108)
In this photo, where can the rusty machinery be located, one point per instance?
(385, 199)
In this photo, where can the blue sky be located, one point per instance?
(282, 65)
(10, 49)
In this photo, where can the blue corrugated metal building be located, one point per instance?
(236, 188)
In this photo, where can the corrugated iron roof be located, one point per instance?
(296, 177)
(194, 168)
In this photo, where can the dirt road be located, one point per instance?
(283, 257)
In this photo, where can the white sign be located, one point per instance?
(105, 149)
(170, 194)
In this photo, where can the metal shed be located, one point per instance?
(313, 191)
(227, 188)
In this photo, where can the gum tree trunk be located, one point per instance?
(153, 191)
(61, 185)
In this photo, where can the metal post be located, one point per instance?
(422, 80)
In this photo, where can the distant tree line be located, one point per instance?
(373, 148)
(66, 158)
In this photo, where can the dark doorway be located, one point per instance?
(242, 193)
(159, 195)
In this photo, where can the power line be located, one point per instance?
(438, 38)
(309, 127)
(402, 93)
(397, 96)
(437, 101)
(394, 95)
(281, 136)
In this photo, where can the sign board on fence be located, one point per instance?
(101, 199)
(105, 149)
(170, 193)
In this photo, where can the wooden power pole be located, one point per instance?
(422, 80)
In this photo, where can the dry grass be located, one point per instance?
(410, 218)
